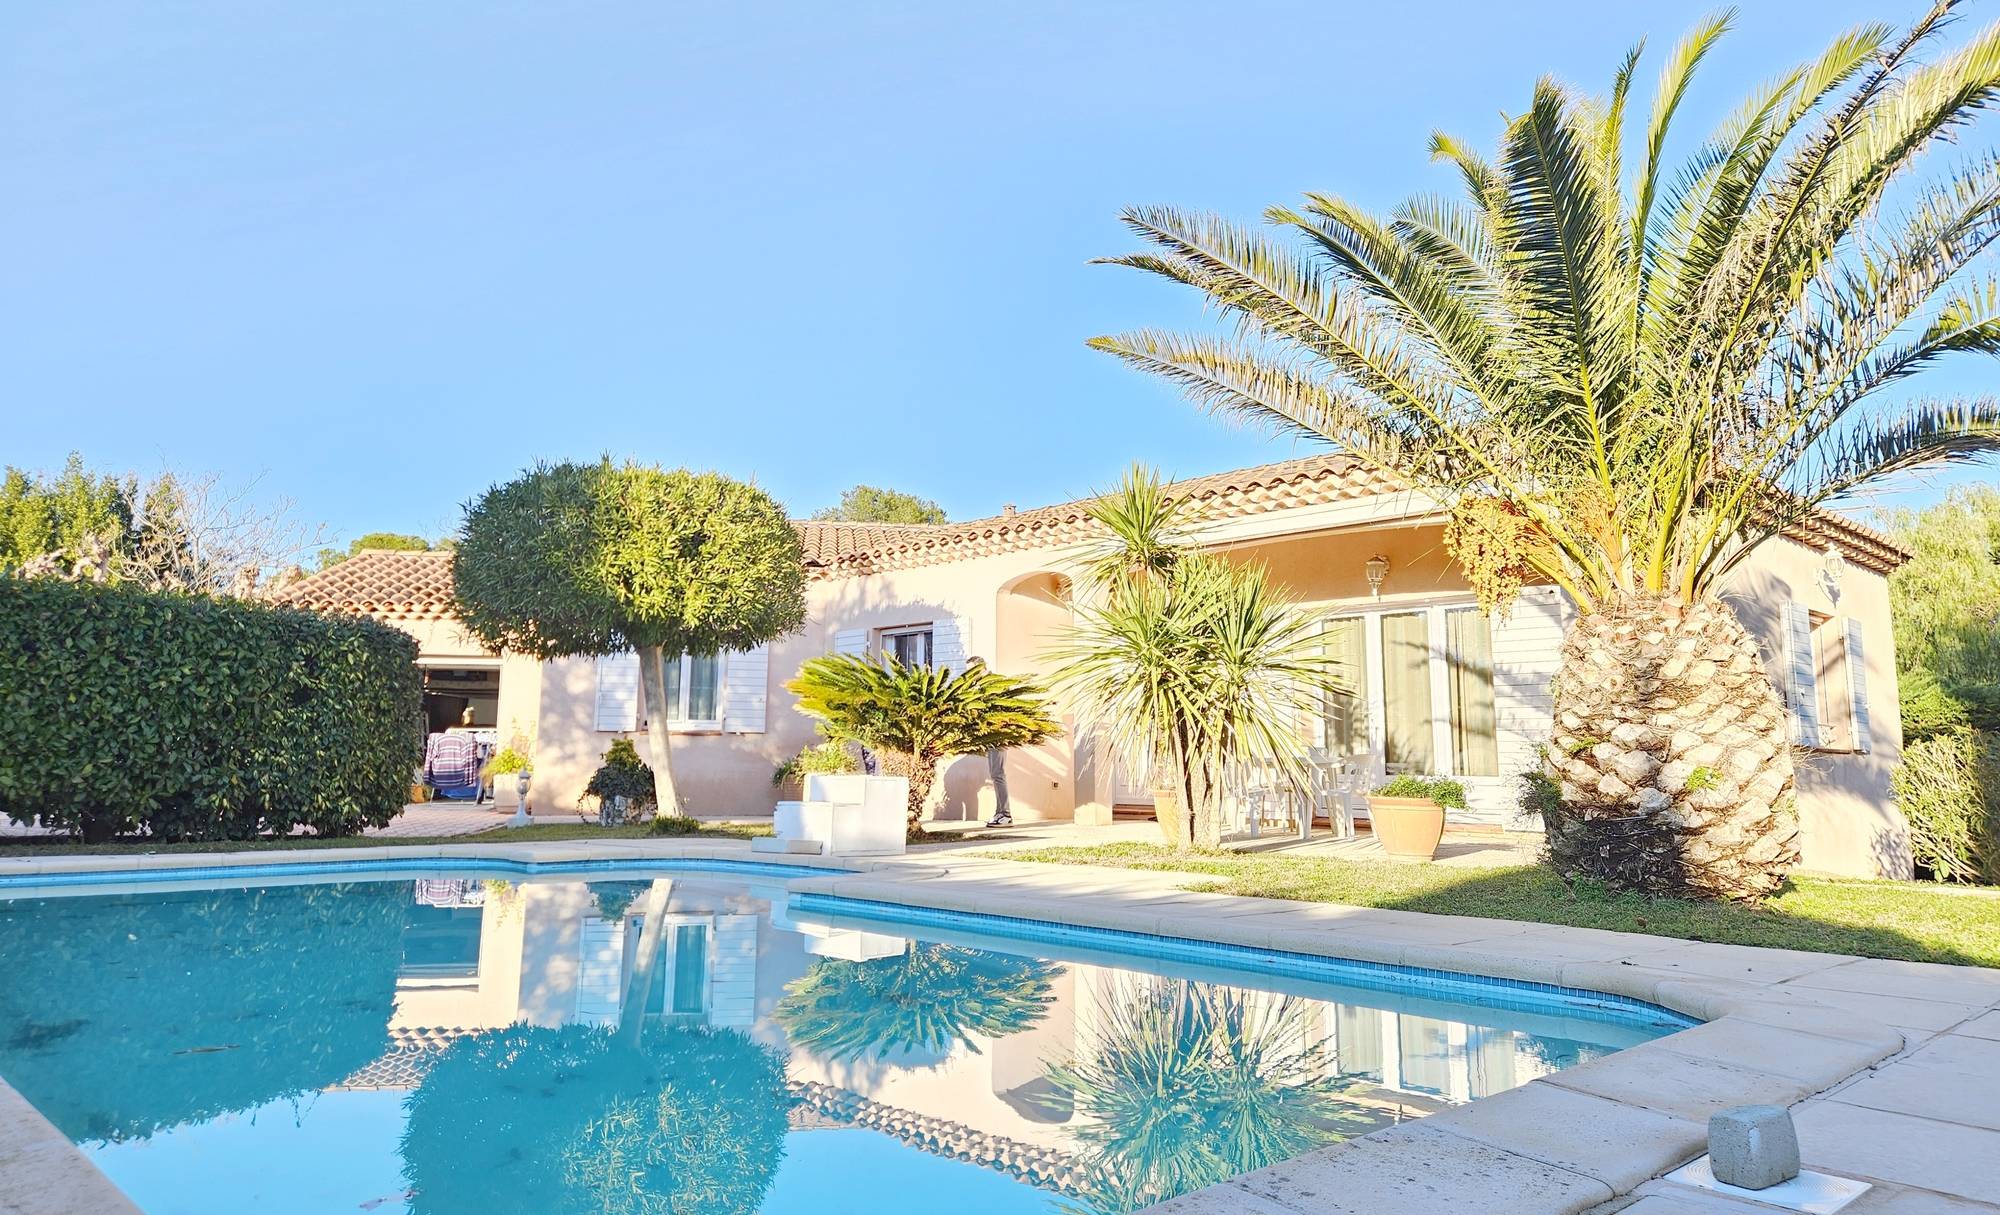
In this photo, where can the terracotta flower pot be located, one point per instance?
(1409, 827)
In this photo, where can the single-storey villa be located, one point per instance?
(1438, 687)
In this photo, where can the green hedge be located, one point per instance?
(186, 717)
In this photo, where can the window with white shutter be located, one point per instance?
(1857, 687)
(617, 692)
(1802, 684)
(744, 676)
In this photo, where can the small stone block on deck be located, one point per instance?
(771, 843)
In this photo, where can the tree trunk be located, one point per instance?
(653, 686)
(1672, 753)
(1204, 795)
(922, 775)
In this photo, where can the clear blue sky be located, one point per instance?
(382, 254)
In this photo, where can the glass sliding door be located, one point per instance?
(1345, 705)
(1406, 692)
(1475, 742)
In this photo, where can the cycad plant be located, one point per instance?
(1624, 378)
(920, 715)
(1185, 662)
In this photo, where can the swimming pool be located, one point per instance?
(695, 1039)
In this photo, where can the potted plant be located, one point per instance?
(1407, 814)
(828, 756)
(505, 770)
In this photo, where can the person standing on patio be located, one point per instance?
(996, 771)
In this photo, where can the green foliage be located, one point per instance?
(921, 714)
(196, 718)
(49, 514)
(506, 762)
(1187, 663)
(1703, 778)
(574, 1120)
(820, 758)
(614, 898)
(581, 559)
(1181, 1085)
(926, 1000)
(1443, 790)
(1565, 351)
(129, 1014)
(1946, 598)
(624, 774)
(675, 824)
(867, 504)
(400, 542)
(1948, 788)
(1540, 796)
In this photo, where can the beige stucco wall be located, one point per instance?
(1009, 610)
(1848, 823)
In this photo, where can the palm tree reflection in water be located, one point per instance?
(1181, 1085)
(929, 999)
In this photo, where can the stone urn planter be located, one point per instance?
(1407, 815)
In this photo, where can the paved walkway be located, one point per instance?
(441, 818)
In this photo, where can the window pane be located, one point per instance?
(690, 967)
(1406, 692)
(1475, 745)
(673, 681)
(703, 670)
(1346, 702)
(911, 649)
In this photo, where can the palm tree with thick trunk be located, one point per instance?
(1623, 379)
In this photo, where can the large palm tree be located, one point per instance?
(1622, 379)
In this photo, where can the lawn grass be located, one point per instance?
(1916, 921)
(538, 833)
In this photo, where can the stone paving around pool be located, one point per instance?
(1892, 1069)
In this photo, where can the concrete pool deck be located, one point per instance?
(1892, 1069)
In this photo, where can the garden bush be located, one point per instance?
(624, 774)
(185, 717)
(1948, 789)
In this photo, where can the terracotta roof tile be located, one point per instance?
(384, 583)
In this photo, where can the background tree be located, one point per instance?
(591, 559)
(401, 542)
(920, 715)
(1624, 379)
(867, 504)
(59, 514)
(1186, 662)
(1947, 609)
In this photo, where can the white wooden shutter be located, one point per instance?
(1527, 648)
(850, 641)
(617, 692)
(951, 642)
(1803, 685)
(1857, 686)
(744, 673)
(600, 966)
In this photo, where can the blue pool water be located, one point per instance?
(696, 1041)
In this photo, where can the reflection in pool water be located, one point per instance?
(683, 1045)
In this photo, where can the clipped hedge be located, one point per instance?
(186, 717)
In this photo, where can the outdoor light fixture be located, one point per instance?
(1832, 568)
(1377, 569)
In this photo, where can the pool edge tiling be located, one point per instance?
(1560, 1144)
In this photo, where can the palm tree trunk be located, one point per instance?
(653, 685)
(1672, 752)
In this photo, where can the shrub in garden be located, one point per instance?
(124, 710)
(822, 758)
(1442, 789)
(623, 774)
(1948, 789)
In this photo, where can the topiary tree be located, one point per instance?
(591, 559)
(921, 714)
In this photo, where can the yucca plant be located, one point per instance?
(920, 715)
(1185, 662)
(1623, 379)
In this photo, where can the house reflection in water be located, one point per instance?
(961, 1050)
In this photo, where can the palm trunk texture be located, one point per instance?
(1673, 754)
